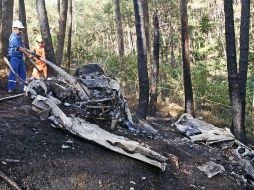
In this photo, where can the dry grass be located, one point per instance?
(174, 110)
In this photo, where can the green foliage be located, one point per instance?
(205, 24)
(127, 75)
(203, 52)
(251, 61)
(199, 77)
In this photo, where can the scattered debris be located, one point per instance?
(11, 160)
(64, 146)
(132, 182)
(211, 169)
(100, 183)
(104, 103)
(243, 151)
(69, 141)
(94, 133)
(148, 128)
(198, 130)
(248, 168)
(91, 106)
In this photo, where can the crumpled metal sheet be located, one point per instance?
(198, 130)
(94, 133)
(211, 169)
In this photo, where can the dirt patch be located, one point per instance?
(37, 156)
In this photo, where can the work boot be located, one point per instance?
(10, 91)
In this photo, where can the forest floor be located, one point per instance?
(38, 157)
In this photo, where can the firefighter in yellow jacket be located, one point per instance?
(41, 66)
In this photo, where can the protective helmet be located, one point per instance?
(17, 24)
(38, 39)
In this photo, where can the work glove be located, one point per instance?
(30, 56)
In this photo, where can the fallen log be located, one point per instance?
(94, 133)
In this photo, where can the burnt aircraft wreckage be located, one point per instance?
(92, 106)
(81, 103)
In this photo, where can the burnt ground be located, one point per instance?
(37, 156)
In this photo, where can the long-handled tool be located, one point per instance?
(8, 63)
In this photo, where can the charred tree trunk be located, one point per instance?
(69, 36)
(145, 19)
(44, 26)
(230, 48)
(237, 80)
(189, 104)
(155, 73)
(119, 31)
(232, 66)
(243, 63)
(142, 61)
(7, 17)
(61, 32)
(22, 18)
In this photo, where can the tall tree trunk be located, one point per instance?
(69, 35)
(237, 80)
(243, 63)
(145, 19)
(7, 17)
(46, 36)
(22, 18)
(155, 73)
(119, 31)
(142, 61)
(232, 65)
(189, 104)
(61, 32)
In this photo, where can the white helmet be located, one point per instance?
(17, 24)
